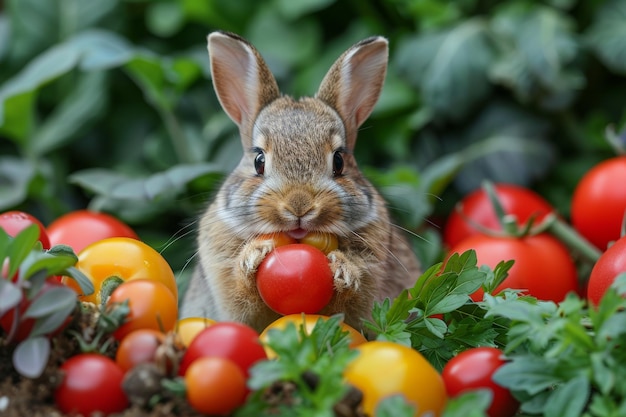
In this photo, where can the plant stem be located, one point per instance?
(571, 238)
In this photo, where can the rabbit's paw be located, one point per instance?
(346, 274)
(251, 257)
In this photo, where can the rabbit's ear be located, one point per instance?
(354, 82)
(242, 80)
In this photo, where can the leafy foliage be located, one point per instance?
(516, 91)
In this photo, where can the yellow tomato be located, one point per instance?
(111, 261)
(325, 242)
(279, 238)
(189, 327)
(308, 321)
(383, 369)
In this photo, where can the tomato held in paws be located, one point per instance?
(79, 229)
(14, 222)
(473, 369)
(295, 279)
(234, 341)
(543, 267)
(599, 202)
(90, 383)
(610, 264)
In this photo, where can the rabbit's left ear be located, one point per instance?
(354, 82)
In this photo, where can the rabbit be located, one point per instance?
(297, 174)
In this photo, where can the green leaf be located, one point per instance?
(16, 176)
(165, 18)
(293, 10)
(31, 356)
(72, 115)
(569, 399)
(527, 373)
(469, 404)
(10, 295)
(538, 52)
(21, 248)
(607, 35)
(395, 406)
(117, 186)
(450, 67)
(52, 300)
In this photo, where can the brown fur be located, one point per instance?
(298, 188)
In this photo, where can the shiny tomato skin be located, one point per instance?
(78, 229)
(138, 346)
(543, 267)
(473, 369)
(610, 264)
(235, 341)
(151, 303)
(14, 222)
(124, 259)
(295, 278)
(215, 386)
(385, 368)
(189, 327)
(476, 208)
(91, 382)
(599, 202)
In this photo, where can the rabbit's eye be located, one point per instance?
(259, 163)
(337, 164)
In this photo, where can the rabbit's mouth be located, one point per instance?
(298, 233)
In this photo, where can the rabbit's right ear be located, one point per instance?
(242, 81)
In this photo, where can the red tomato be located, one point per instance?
(234, 341)
(610, 264)
(295, 278)
(14, 222)
(599, 202)
(91, 382)
(476, 208)
(81, 228)
(473, 369)
(138, 346)
(543, 266)
(215, 386)
(152, 306)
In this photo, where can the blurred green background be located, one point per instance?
(108, 104)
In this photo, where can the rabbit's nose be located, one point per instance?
(299, 203)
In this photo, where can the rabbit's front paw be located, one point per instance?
(251, 257)
(346, 274)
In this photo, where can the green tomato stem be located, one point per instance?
(569, 236)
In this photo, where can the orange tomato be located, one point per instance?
(383, 369)
(215, 385)
(139, 346)
(308, 321)
(189, 327)
(152, 306)
(326, 242)
(112, 261)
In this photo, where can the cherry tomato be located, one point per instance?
(599, 202)
(473, 369)
(610, 264)
(79, 229)
(384, 368)
(215, 386)
(152, 306)
(189, 327)
(308, 321)
(111, 261)
(91, 383)
(279, 238)
(543, 266)
(326, 242)
(138, 346)
(295, 278)
(25, 325)
(234, 341)
(476, 208)
(14, 222)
